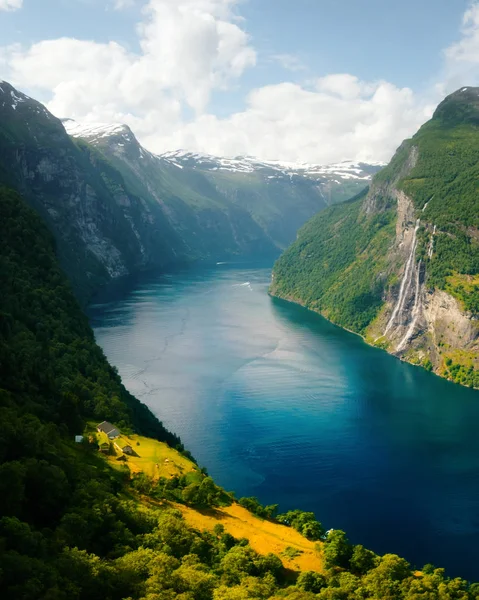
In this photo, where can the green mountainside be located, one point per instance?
(74, 526)
(400, 264)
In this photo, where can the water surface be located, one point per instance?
(280, 404)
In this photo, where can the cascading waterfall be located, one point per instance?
(406, 281)
(430, 250)
(425, 206)
(415, 310)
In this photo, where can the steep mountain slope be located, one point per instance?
(400, 265)
(103, 230)
(279, 198)
(207, 224)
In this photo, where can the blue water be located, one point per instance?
(280, 404)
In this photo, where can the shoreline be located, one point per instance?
(317, 312)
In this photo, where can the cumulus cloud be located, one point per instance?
(292, 123)
(10, 5)
(190, 49)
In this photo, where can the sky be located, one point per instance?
(315, 81)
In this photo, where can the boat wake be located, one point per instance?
(246, 284)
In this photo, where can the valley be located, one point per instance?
(239, 300)
(117, 209)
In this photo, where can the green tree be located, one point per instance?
(337, 550)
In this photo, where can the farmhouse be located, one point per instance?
(110, 430)
(125, 449)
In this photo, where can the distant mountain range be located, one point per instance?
(400, 263)
(338, 173)
(336, 182)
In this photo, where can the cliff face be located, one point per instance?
(207, 223)
(223, 205)
(102, 229)
(410, 273)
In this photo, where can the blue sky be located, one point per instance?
(294, 44)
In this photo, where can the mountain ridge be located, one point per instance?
(277, 198)
(347, 169)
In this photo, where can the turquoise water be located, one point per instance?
(280, 404)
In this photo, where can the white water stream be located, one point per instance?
(406, 281)
(415, 310)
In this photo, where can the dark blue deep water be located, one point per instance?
(280, 404)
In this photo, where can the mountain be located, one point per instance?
(400, 263)
(278, 197)
(102, 229)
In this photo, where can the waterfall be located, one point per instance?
(425, 206)
(406, 281)
(415, 310)
(430, 250)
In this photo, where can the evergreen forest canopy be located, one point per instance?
(73, 528)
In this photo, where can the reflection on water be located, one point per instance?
(280, 404)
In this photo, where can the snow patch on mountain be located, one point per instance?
(95, 131)
(336, 173)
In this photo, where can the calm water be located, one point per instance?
(280, 404)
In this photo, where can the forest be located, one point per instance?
(331, 267)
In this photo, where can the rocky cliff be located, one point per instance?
(102, 229)
(400, 266)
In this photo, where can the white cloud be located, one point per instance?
(192, 48)
(10, 5)
(462, 58)
(292, 123)
(188, 49)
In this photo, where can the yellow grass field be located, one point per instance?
(264, 536)
(155, 459)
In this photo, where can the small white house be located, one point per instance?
(78, 439)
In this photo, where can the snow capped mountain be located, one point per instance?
(93, 132)
(19, 102)
(338, 173)
(98, 133)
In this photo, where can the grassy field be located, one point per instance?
(264, 536)
(155, 459)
